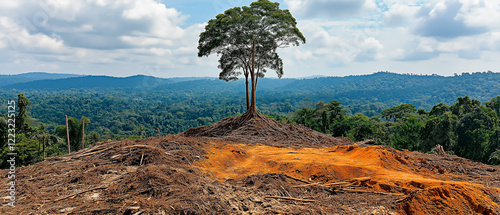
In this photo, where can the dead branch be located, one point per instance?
(285, 190)
(139, 146)
(402, 199)
(91, 153)
(290, 198)
(78, 193)
(362, 179)
(308, 185)
(369, 191)
(297, 179)
(142, 157)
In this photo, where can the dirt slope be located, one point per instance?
(258, 167)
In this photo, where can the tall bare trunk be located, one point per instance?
(247, 91)
(67, 133)
(43, 149)
(253, 107)
(83, 132)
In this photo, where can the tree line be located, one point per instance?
(467, 128)
(33, 143)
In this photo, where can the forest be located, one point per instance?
(411, 112)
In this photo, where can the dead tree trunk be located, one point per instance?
(67, 133)
(83, 132)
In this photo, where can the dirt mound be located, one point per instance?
(257, 128)
(216, 173)
(449, 199)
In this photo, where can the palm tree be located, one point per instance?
(45, 138)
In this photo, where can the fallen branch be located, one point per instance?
(402, 199)
(139, 146)
(285, 190)
(116, 156)
(308, 185)
(362, 179)
(369, 191)
(78, 193)
(310, 197)
(290, 198)
(298, 179)
(342, 183)
(91, 153)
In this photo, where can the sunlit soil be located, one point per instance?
(371, 169)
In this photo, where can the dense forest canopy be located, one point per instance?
(384, 106)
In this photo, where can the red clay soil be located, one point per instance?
(253, 166)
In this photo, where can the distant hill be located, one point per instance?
(148, 82)
(86, 82)
(32, 76)
(184, 79)
(367, 94)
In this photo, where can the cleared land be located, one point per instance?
(253, 165)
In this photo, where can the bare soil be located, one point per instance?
(253, 165)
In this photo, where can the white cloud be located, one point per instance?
(145, 41)
(484, 13)
(399, 14)
(123, 37)
(102, 24)
(442, 19)
(9, 4)
(330, 8)
(96, 32)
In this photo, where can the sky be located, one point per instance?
(160, 37)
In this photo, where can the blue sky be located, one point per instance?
(159, 37)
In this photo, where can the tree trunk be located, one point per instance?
(247, 91)
(67, 132)
(253, 107)
(43, 149)
(83, 132)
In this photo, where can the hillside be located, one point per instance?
(89, 82)
(367, 94)
(252, 165)
(32, 76)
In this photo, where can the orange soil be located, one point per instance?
(427, 191)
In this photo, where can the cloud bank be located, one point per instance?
(344, 37)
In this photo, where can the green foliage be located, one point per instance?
(176, 105)
(246, 38)
(473, 131)
(30, 141)
(28, 150)
(45, 138)
(360, 127)
(494, 158)
(467, 128)
(439, 109)
(438, 130)
(3, 131)
(494, 104)
(406, 134)
(93, 137)
(22, 120)
(398, 112)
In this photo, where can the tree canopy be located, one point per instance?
(246, 39)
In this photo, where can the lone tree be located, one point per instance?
(246, 40)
